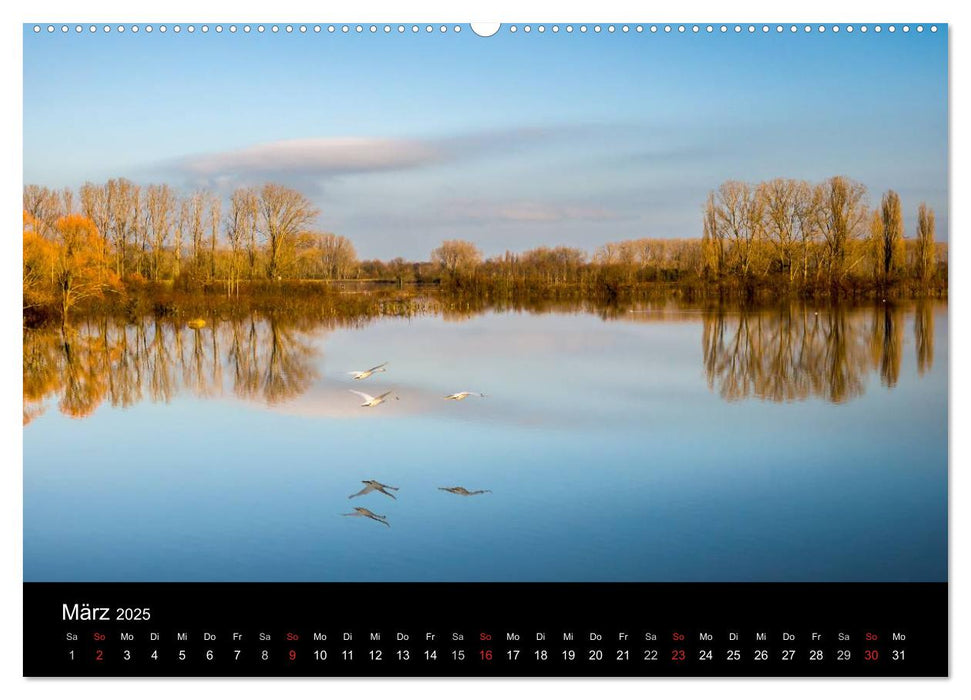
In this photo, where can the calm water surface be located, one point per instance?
(660, 444)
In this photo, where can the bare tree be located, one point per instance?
(781, 201)
(196, 229)
(67, 201)
(94, 205)
(841, 217)
(213, 212)
(160, 212)
(711, 242)
(124, 202)
(741, 221)
(44, 207)
(336, 255)
(457, 257)
(241, 232)
(808, 204)
(181, 231)
(283, 214)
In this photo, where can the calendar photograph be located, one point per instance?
(538, 303)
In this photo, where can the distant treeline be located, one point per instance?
(109, 242)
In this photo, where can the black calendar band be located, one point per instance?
(485, 629)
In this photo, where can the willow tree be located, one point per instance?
(77, 259)
(38, 265)
(926, 255)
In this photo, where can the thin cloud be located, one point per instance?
(323, 158)
(314, 157)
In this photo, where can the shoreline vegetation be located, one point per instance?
(129, 250)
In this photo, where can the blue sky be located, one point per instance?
(511, 141)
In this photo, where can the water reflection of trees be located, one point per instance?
(797, 352)
(782, 354)
(99, 360)
(924, 335)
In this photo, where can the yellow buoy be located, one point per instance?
(197, 323)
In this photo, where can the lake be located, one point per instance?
(657, 443)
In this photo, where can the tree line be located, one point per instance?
(152, 233)
(808, 239)
(814, 234)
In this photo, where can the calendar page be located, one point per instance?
(543, 349)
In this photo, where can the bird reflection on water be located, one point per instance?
(261, 408)
(372, 485)
(786, 353)
(365, 513)
(462, 491)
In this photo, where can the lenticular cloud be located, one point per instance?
(324, 156)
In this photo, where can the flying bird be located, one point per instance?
(371, 401)
(462, 491)
(372, 485)
(365, 513)
(368, 372)
(463, 395)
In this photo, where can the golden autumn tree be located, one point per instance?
(457, 256)
(38, 265)
(78, 262)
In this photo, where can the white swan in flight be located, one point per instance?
(368, 372)
(365, 513)
(462, 491)
(372, 485)
(463, 395)
(372, 401)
